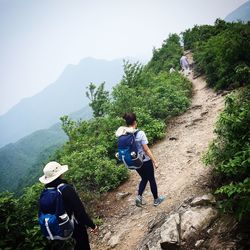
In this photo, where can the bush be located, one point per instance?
(167, 56)
(223, 54)
(229, 153)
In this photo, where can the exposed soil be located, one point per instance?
(180, 174)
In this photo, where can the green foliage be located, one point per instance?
(22, 157)
(229, 153)
(167, 56)
(222, 52)
(133, 74)
(152, 96)
(200, 34)
(99, 99)
(150, 92)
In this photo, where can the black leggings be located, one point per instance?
(147, 174)
(81, 237)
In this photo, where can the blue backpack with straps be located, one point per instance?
(128, 151)
(54, 222)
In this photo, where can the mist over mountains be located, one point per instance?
(64, 96)
(25, 158)
(35, 126)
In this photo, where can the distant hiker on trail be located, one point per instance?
(185, 65)
(61, 212)
(172, 70)
(146, 171)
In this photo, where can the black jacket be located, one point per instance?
(73, 204)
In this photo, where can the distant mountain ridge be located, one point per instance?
(64, 96)
(21, 162)
(242, 13)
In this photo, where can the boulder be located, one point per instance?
(199, 243)
(122, 195)
(204, 200)
(114, 240)
(196, 219)
(157, 247)
(157, 221)
(106, 237)
(170, 238)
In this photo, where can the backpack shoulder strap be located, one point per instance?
(136, 132)
(61, 186)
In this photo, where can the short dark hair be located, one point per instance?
(130, 118)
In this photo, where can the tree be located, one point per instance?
(99, 99)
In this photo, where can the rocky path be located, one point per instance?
(181, 173)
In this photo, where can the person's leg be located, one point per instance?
(151, 178)
(81, 238)
(144, 179)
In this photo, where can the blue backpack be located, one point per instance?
(128, 151)
(54, 222)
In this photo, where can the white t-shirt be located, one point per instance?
(141, 139)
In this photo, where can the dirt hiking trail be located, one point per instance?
(180, 174)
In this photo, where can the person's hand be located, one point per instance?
(94, 231)
(155, 163)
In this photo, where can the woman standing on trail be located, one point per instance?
(185, 65)
(146, 172)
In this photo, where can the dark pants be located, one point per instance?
(147, 174)
(81, 237)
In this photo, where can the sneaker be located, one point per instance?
(159, 200)
(138, 201)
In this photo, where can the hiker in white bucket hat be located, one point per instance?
(52, 178)
(52, 171)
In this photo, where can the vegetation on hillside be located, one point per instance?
(229, 153)
(24, 158)
(150, 91)
(222, 53)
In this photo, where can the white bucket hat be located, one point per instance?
(52, 171)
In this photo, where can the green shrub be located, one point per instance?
(229, 153)
(221, 52)
(167, 56)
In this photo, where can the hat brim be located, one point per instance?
(46, 180)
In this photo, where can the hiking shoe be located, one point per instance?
(159, 200)
(138, 201)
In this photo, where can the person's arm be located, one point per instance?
(150, 155)
(74, 203)
(144, 143)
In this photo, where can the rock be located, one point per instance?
(170, 232)
(122, 195)
(197, 120)
(198, 106)
(114, 240)
(225, 93)
(193, 122)
(173, 138)
(156, 222)
(199, 243)
(106, 237)
(157, 247)
(204, 113)
(195, 220)
(203, 200)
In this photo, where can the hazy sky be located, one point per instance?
(38, 38)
